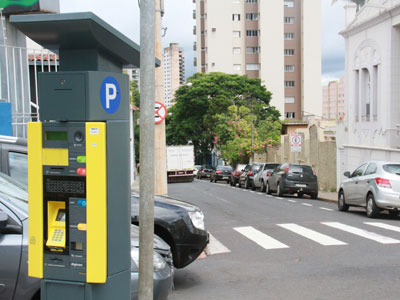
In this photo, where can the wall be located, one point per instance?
(320, 155)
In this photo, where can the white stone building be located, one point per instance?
(371, 129)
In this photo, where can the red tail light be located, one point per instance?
(382, 182)
(218, 172)
(250, 173)
(202, 171)
(315, 174)
(268, 174)
(287, 169)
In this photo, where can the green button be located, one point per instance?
(81, 159)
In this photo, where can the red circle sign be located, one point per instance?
(160, 112)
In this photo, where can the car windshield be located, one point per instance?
(14, 191)
(301, 170)
(271, 166)
(394, 169)
(226, 168)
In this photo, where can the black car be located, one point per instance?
(221, 173)
(178, 223)
(205, 171)
(173, 220)
(293, 179)
(246, 179)
(13, 158)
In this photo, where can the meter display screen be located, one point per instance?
(56, 136)
(61, 215)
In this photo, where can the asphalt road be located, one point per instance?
(266, 247)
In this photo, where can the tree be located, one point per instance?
(135, 100)
(205, 106)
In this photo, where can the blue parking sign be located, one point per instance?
(110, 95)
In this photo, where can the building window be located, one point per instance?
(236, 34)
(289, 52)
(289, 83)
(252, 50)
(236, 50)
(289, 68)
(237, 67)
(288, 3)
(251, 1)
(289, 36)
(289, 115)
(236, 17)
(252, 16)
(289, 100)
(252, 67)
(252, 32)
(288, 20)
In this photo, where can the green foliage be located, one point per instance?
(135, 100)
(217, 110)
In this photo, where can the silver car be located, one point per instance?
(15, 284)
(260, 179)
(374, 185)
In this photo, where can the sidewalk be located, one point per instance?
(328, 196)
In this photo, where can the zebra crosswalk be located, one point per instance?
(270, 240)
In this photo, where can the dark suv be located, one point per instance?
(293, 179)
(246, 179)
(221, 173)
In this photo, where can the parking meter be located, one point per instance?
(78, 160)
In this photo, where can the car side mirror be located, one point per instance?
(347, 174)
(3, 220)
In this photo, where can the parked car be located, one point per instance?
(205, 171)
(14, 280)
(246, 179)
(293, 179)
(13, 158)
(196, 170)
(221, 173)
(374, 185)
(178, 223)
(260, 179)
(236, 174)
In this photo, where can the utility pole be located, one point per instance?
(147, 137)
(160, 140)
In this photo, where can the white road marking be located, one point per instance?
(306, 204)
(312, 235)
(260, 238)
(215, 247)
(260, 193)
(293, 201)
(363, 233)
(252, 191)
(384, 226)
(328, 209)
(279, 198)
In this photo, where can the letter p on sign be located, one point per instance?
(110, 95)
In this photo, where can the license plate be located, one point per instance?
(225, 177)
(301, 185)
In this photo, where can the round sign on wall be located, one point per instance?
(110, 95)
(160, 112)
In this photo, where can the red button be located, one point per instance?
(81, 171)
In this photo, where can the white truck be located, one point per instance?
(180, 163)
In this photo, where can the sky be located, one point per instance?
(178, 19)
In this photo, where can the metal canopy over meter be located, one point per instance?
(79, 179)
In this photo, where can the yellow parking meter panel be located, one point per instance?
(56, 217)
(96, 185)
(35, 188)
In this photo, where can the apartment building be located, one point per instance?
(174, 72)
(333, 100)
(277, 41)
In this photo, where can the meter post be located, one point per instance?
(78, 160)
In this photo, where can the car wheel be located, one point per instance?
(263, 187)
(394, 213)
(279, 191)
(267, 189)
(314, 196)
(371, 209)
(300, 195)
(246, 184)
(342, 206)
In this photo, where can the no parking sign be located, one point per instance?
(160, 112)
(295, 142)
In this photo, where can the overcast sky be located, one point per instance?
(124, 16)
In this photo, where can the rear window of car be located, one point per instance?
(270, 166)
(227, 168)
(394, 169)
(255, 167)
(307, 170)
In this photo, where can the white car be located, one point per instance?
(260, 179)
